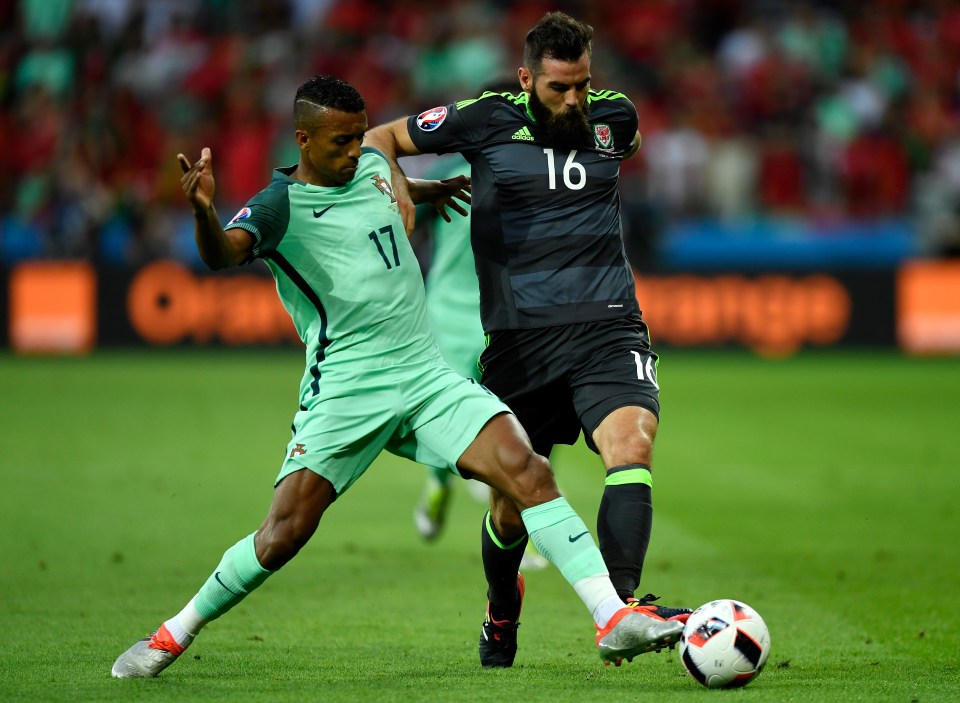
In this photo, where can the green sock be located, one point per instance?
(563, 538)
(238, 574)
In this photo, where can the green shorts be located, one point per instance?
(459, 336)
(462, 352)
(430, 416)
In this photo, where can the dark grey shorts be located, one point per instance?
(564, 379)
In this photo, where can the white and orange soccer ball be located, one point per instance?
(724, 644)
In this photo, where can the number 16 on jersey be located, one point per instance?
(574, 174)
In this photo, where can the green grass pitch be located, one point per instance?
(820, 489)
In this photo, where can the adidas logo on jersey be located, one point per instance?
(523, 134)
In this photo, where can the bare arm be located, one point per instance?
(218, 248)
(393, 140)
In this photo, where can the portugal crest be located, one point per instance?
(298, 450)
(603, 136)
(383, 185)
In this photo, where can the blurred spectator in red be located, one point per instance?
(782, 177)
(874, 174)
(247, 137)
(746, 108)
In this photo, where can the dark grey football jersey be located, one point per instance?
(545, 227)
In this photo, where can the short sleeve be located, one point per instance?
(615, 111)
(445, 129)
(266, 216)
(631, 121)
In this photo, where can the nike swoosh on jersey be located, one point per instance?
(574, 539)
(319, 214)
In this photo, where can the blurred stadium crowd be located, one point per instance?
(749, 109)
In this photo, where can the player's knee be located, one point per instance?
(539, 471)
(638, 447)
(627, 448)
(533, 481)
(514, 456)
(626, 436)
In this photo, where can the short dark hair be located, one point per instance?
(557, 36)
(324, 92)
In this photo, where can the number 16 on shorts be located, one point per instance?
(646, 371)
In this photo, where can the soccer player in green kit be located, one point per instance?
(568, 350)
(453, 310)
(331, 233)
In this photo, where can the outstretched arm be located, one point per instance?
(218, 248)
(441, 194)
(393, 140)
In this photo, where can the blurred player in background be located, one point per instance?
(567, 347)
(453, 309)
(331, 232)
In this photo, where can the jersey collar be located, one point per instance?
(285, 174)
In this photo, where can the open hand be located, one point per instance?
(197, 181)
(445, 194)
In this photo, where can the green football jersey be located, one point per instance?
(453, 291)
(345, 272)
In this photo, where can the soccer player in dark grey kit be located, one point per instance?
(568, 349)
(330, 230)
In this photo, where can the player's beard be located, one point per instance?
(567, 130)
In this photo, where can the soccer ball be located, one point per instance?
(724, 644)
